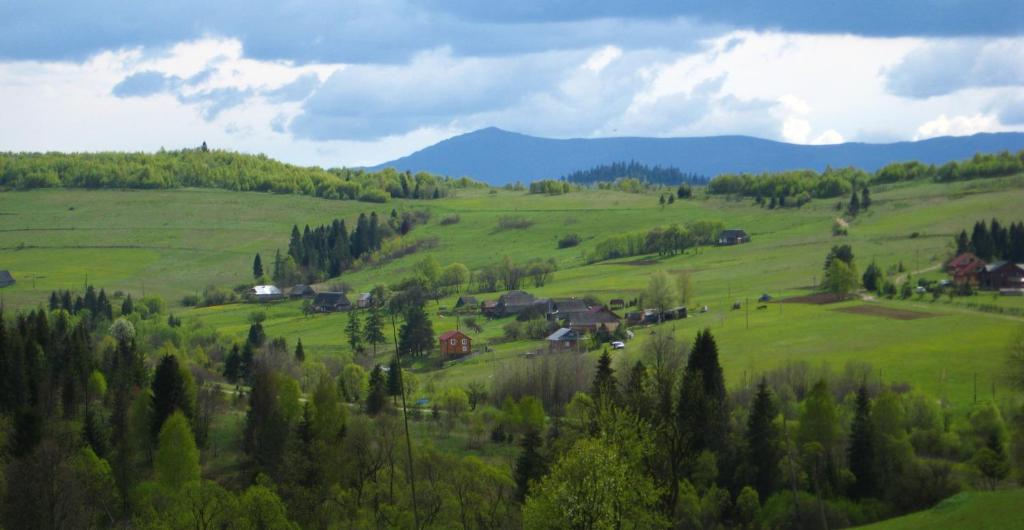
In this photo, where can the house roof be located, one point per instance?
(467, 300)
(568, 305)
(265, 290)
(563, 334)
(733, 232)
(995, 265)
(331, 298)
(363, 297)
(5, 277)
(595, 316)
(453, 334)
(301, 289)
(516, 298)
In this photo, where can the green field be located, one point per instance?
(996, 510)
(175, 242)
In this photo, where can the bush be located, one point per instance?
(513, 222)
(190, 300)
(374, 196)
(450, 219)
(214, 295)
(569, 240)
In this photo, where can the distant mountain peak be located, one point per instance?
(498, 156)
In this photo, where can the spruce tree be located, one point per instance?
(999, 240)
(300, 353)
(257, 267)
(394, 379)
(762, 437)
(128, 306)
(257, 337)
(963, 244)
(416, 337)
(704, 359)
(854, 206)
(168, 393)
(529, 464)
(636, 393)
(1016, 243)
(861, 449)
(233, 365)
(54, 301)
(377, 396)
(103, 307)
(375, 326)
(865, 198)
(981, 241)
(605, 386)
(353, 332)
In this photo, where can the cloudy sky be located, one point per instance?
(341, 82)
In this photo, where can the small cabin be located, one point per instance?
(301, 291)
(564, 340)
(364, 300)
(455, 343)
(733, 236)
(331, 302)
(265, 293)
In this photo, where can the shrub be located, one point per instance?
(513, 222)
(374, 196)
(190, 300)
(450, 219)
(569, 240)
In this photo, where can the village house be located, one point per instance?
(489, 308)
(564, 340)
(591, 320)
(6, 279)
(301, 291)
(514, 302)
(733, 236)
(562, 307)
(1000, 275)
(364, 300)
(467, 302)
(455, 343)
(265, 293)
(331, 302)
(965, 269)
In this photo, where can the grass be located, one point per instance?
(175, 242)
(998, 510)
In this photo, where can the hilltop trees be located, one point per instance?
(995, 243)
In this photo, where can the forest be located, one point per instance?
(656, 175)
(206, 168)
(109, 418)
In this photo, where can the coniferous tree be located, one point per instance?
(762, 437)
(374, 329)
(605, 386)
(1016, 243)
(300, 353)
(266, 428)
(353, 332)
(981, 241)
(295, 245)
(54, 300)
(394, 379)
(377, 396)
(128, 306)
(257, 337)
(168, 393)
(865, 198)
(963, 244)
(854, 206)
(233, 365)
(704, 359)
(248, 364)
(416, 336)
(872, 278)
(861, 449)
(257, 267)
(1000, 238)
(635, 395)
(103, 307)
(529, 465)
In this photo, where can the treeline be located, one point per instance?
(789, 188)
(203, 168)
(993, 241)
(665, 176)
(796, 188)
(509, 275)
(981, 165)
(550, 187)
(327, 251)
(663, 241)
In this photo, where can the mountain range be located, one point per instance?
(500, 157)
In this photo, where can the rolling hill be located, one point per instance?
(499, 157)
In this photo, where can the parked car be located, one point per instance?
(618, 345)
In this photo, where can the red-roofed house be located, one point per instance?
(965, 268)
(455, 343)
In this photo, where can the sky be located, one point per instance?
(360, 82)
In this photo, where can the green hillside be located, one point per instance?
(175, 242)
(997, 510)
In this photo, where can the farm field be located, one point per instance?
(175, 242)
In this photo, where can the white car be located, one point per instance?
(618, 345)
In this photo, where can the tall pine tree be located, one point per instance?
(374, 329)
(300, 352)
(762, 437)
(861, 450)
(257, 267)
(354, 332)
(605, 387)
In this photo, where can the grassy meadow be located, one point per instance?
(175, 242)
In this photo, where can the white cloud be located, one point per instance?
(602, 58)
(957, 126)
(830, 136)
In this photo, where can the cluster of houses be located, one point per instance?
(1004, 276)
(323, 301)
